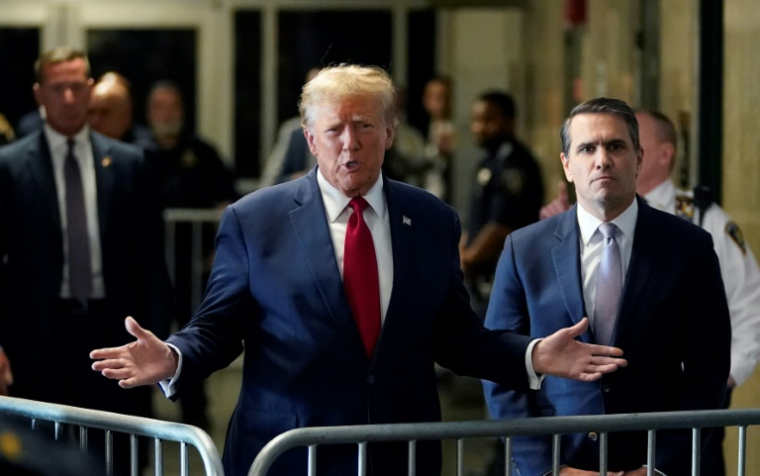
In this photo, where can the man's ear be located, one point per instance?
(667, 153)
(311, 140)
(566, 167)
(390, 132)
(37, 93)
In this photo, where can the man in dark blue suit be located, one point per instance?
(80, 248)
(668, 313)
(327, 344)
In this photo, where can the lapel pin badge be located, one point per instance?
(406, 220)
(106, 161)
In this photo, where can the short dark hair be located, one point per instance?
(501, 101)
(61, 54)
(614, 107)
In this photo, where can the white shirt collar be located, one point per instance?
(336, 202)
(661, 197)
(626, 222)
(56, 139)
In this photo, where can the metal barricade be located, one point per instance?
(361, 435)
(112, 423)
(197, 218)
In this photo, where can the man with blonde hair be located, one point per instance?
(344, 288)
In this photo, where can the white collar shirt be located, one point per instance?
(58, 145)
(375, 216)
(592, 245)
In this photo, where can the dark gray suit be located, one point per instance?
(48, 352)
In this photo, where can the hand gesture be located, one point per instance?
(146, 361)
(563, 356)
(558, 205)
(6, 375)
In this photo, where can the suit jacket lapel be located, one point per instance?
(401, 237)
(311, 228)
(566, 258)
(104, 172)
(41, 169)
(639, 267)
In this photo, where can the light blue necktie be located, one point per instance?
(609, 286)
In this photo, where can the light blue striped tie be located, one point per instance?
(609, 286)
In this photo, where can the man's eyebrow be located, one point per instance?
(607, 143)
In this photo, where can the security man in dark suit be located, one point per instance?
(80, 248)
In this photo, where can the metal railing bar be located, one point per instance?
(742, 450)
(133, 455)
(83, 438)
(197, 215)
(412, 457)
(101, 420)
(312, 460)
(520, 427)
(696, 445)
(508, 456)
(184, 460)
(555, 453)
(651, 451)
(158, 455)
(109, 453)
(460, 456)
(362, 470)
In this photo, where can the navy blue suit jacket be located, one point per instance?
(31, 268)
(276, 290)
(673, 326)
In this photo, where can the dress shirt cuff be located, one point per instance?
(168, 386)
(533, 380)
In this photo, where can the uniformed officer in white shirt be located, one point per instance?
(741, 276)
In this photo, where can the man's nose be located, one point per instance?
(603, 159)
(350, 139)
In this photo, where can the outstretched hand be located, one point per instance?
(558, 205)
(146, 361)
(563, 356)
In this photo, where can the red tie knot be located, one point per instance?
(358, 204)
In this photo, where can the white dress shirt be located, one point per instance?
(592, 245)
(58, 145)
(338, 211)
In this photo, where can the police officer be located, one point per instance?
(507, 192)
(739, 269)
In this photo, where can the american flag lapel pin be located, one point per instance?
(406, 220)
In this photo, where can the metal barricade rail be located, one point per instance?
(113, 422)
(556, 426)
(196, 218)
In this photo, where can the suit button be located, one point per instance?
(593, 436)
(606, 388)
(370, 379)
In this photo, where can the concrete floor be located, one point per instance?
(461, 399)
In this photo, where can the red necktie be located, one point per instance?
(360, 278)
